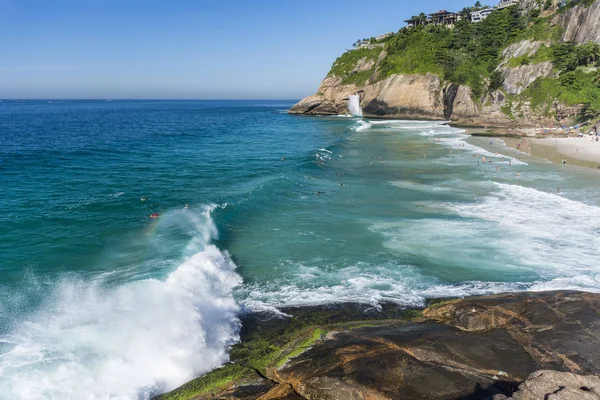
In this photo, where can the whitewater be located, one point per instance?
(258, 211)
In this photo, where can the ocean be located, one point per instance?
(257, 210)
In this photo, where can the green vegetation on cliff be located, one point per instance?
(346, 64)
(467, 54)
(472, 54)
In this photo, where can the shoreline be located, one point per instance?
(580, 152)
(553, 146)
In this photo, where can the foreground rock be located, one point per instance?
(554, 385)
(475, 348)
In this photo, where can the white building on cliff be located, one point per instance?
(478, 16)
(506, 3)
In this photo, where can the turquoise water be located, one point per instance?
(100, 301)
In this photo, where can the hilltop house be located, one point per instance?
(444, 17)
(448, 18)
(506, 3)
(478, 16)
(416, 21)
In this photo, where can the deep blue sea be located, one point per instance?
(257, 210)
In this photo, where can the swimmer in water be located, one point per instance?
(186, 206)
(518, 173)
(155, 215)
(143, 198)
(557, 190)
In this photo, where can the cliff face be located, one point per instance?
(426, 96)
(580, 24)
(406, 96)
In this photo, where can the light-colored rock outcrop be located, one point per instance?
(521, 48)
(519, 78)
(403, 96)
(407, 96)
(580, 24)
(555, 385)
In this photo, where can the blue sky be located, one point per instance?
(185, 49)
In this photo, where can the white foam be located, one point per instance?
(354, 105)
(458, 141)
(361, 125)
(401, 285)
(90, 341)
(520, 238)
(549, 231)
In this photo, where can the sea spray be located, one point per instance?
(354, 105)
(131, 341)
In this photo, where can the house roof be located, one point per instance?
(443, 12)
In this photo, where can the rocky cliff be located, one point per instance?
(581, 24)
(429, 96)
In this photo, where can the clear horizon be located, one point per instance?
(186, 50)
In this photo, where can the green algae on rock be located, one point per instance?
(474, 348)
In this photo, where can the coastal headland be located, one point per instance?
(527, 65)
(474, 348)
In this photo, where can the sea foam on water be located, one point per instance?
(354, 105)
(89, 341)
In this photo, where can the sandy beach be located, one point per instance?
(576, 151)
(583, 148)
